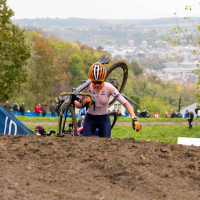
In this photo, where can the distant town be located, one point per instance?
(132, 40)
(182, 72)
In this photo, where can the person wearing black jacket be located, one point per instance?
(80, 121)
(7, 106)
(190, 118)
(173, 114)
(22, 108)
(53, 109)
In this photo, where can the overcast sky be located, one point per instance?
(102, 9)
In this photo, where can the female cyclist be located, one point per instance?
(98, 117)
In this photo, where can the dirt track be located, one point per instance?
(117, 123)
(36, 167)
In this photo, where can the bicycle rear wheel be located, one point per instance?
(67, 125)
(117, 75)
(113, 121)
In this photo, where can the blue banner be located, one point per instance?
(9, 125)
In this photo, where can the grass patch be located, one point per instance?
(163, 133)
(119, 119)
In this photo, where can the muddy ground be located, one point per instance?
(36, 167)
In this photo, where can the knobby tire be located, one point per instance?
(124, 67)
(62, 121)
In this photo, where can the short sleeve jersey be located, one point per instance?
(102, 99)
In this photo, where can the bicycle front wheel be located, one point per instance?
(117, 75)
(67, 123)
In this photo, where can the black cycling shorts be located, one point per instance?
(92, 122)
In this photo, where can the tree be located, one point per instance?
(75, 66)
(137, 70)
(13, 54)
(99, 48)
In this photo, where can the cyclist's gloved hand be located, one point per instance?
(135, 124)
(86, 102)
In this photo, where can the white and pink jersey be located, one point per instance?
(102, 99)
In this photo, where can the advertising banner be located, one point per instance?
(10, 125)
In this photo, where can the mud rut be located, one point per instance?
(36, 167)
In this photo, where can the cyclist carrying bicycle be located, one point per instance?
(98, 117)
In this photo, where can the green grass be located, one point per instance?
(37, 119)
(163, 133)
(119, 119)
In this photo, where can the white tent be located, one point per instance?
(190, 107)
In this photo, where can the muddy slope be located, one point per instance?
(35, 167)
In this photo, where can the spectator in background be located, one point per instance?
(7, 106)
(114, 110)
(44, 109)
(166, 114)
(186, 114)
(38, 109)
(196, 110)
(80, 121)
(53, 109)
(138, 113)
(22, 108)
(147, 114)
(126, 113)
(15, 108)
(119, 114)
(173, 114)
(143, 114)
(179, 115)
(190, 118)
(82, 111)
(156, 115)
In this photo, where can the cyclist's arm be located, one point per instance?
(129, 108)
(78, 104)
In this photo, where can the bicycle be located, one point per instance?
(68, 126)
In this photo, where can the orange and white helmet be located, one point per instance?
(97, 72)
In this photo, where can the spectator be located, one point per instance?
(7, 106)
(15, 108)
(80, 121)
(166, 114)
(53, 109)
(179, 115)
(22, 108)
(143, 114)
(156, 115)
(147, 114)
(44, 109)
(138, 113)
(82, 111)
(173, 114)
(119, 114)
(186, 114)
(114, 109)
(190, 118)
(196, 110)
(38, 109)
(126, 113)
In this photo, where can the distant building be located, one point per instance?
(172, 64)
(131, 43)
(144, 43)
(141, 54)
